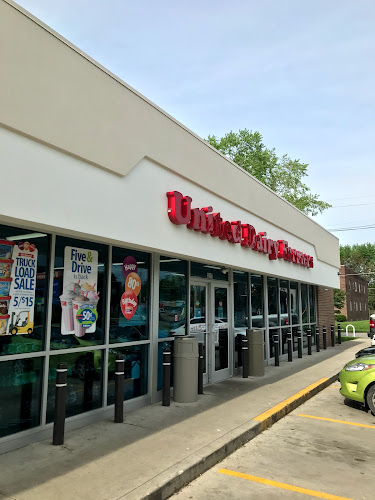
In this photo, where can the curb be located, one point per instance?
(190, 468)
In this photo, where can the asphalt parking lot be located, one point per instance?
(323, 449)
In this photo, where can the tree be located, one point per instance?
(361, 259)
(339, 298)
(283, 175)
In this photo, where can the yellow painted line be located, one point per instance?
(283, 486)
(337, 421)
(267, 414)
(336, 386)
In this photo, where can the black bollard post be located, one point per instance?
(245, 358)
(166, 398)
(290, 346)
(339, 333)
(332, 336)
(276, 348)
(119, 389)
(317, 339)
(309, 341)
(324, 337)
(200, 368)
(299, 338)
(60, 404)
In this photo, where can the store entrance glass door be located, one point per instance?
(209, 323)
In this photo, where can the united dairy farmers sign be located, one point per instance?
(206, 221)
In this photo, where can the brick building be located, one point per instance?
(356, 288)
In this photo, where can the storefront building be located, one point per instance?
(120, 230)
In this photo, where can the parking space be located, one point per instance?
(324, 449)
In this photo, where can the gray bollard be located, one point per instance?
(245, 357)
(290, 346)
(275, 338)
(166, 397)
(60, 404)
(119, 389)
(200, 368)
(299, 338)
(324, 337)
(309, 339)
(332, 336)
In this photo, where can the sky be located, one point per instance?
(300, 73)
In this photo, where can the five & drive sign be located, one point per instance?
(206, 221)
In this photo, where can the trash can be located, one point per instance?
(185, 371)
(256, 352)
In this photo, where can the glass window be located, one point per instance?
(84, 390)
(20, 394)
(79, 293)
(294, 302)
(241, 299)
(284, 302)
(257, 307)
(172, 297)
(273, 302)
(312, 303)
(305, 312)
(24, 265)
(135, 372)
(208, 271)
(129, 296)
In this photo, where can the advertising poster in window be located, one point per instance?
(129, 299)
(18, 268)
(80, 298)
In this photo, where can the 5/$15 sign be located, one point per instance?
(206, 221)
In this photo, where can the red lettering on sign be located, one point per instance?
(204, 221)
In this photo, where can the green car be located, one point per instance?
(357, 380)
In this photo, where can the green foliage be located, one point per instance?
(339, 298)
(361, 259)
(283, 175)
(340, 318)
(360, 326)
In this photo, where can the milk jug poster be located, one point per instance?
(80, 297)
(17, 290)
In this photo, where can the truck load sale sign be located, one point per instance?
(22, 289)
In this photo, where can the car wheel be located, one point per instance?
(370, 398)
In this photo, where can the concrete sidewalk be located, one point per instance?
(159, 449)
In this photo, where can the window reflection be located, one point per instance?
(172, 297)
(257, 314)
(20, 394)
(84, 389)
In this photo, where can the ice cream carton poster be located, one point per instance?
(21, 297)
(133, 284)
(80, 297)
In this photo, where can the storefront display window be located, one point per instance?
(79, 293)
(241, 299)
(84, 389)
(20, 394)
(135, 371)
(304, 298)
(172, 297)
(24, 263)
(294, 302)
(284, 302)
(273, 302)
(257, 309)
(312, 303)
(209, 271)
(129, 296)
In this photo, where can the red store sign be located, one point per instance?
(206, 221)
